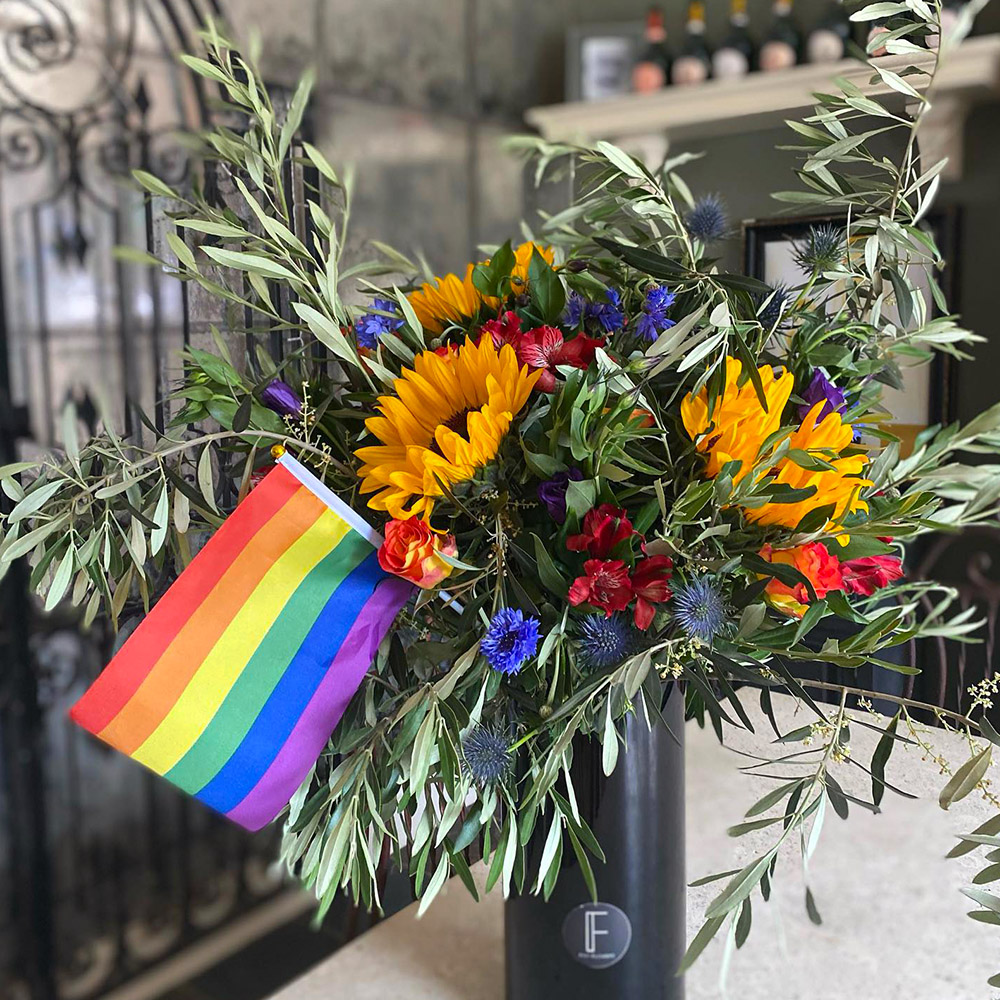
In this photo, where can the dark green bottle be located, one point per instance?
(734, 57)
(827, 42)
(694, 61)
(780, 49)
(652, 69)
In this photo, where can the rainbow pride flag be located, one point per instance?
(231, 685)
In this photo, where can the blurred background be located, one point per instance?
(111, 883)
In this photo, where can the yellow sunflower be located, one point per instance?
(839, 485)
(444, 423)
(452, 299)
(739, 425)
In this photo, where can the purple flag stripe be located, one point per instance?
(306, 741)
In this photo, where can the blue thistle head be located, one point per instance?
(487, 752)
(771, 306)
(700, 608)
(708, 220)
(602, 642)
(822, 249)
(510, 640)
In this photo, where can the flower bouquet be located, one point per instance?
(609, 469)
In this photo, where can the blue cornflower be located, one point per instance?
(604, 642)
(658, 298)
(510, 640)
(707, 220)
(487, 752)
(609, 314)
(653, 319)
(700, 608)
(573, 314)
(371, 326)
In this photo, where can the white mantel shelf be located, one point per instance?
(649, 122)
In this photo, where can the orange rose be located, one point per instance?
(815, 563)
(410, 550)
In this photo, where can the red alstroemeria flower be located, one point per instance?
(603, 528)
(540, 348)
(446, 350)
(606, 585)
(505, 330)
(870, 573)
(579, 351)
(650, 583)
(545, 348)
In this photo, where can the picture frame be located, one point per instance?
(599, 59)
(929, 394)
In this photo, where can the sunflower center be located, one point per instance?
(459, 422)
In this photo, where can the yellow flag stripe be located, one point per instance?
(214, 678)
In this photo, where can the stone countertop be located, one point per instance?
(894, 922)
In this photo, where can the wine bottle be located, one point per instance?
(827, 42)
(781, 46)
(694, 62)
(652, 69)
(734, 57)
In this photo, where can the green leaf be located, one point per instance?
(609, 756)
(204, 68)
(546, 288)
(548, 573)
(60, 579)
(35, 500)
(983, 898)
(881, 757)
(296, 108)
(206, 477)
(988, 874)
(739, 887)
(162, 519)
(327, 332)
(811, 908)
(251, 262)
(708, 930)
(153, 184)
(435, 884)
(620, 159)
(182, 251)
(966, 778)
(321, 163)
(581, 496)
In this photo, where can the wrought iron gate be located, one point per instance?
(104, 871)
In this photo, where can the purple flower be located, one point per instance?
(510, 640)
(659, 298)
(280, 397)
(821, 388)
(609, 314)
(552, 493)
(371, 326)
(653, 320)
(573, 313)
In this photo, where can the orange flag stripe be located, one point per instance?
(172, 673)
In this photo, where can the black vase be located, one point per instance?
(629, 945)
